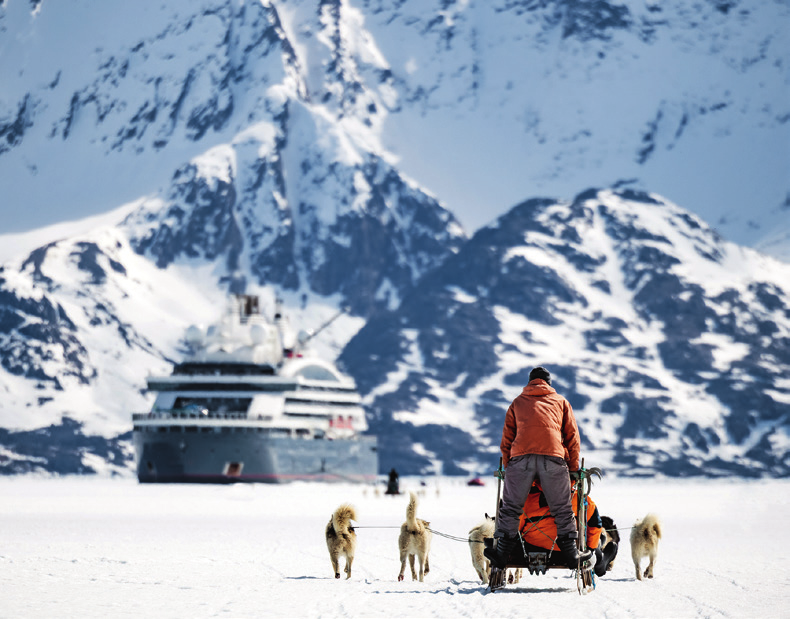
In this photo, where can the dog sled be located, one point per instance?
(538, 560)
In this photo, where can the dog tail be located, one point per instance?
(652, 522)
(411, 512)
(485, 528)
(341, 519)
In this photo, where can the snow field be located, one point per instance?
(98, 547)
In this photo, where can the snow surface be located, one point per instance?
(102, 547)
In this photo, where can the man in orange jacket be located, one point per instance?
(540, 433)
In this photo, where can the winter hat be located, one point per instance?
(540, 372)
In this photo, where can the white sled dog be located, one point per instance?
(341, 539)
(414, 541)
(644, 543)
(477, 536)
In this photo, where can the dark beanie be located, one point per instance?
(540, 372)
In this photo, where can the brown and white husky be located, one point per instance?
(644, 543)
(414, 541)
(341, 539)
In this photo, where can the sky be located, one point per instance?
(110, 547)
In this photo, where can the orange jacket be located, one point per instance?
(537, 525)
(540, 421)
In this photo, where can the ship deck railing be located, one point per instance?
(188, 414)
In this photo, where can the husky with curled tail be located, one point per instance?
(341, 539)
(477, 535)
(414, 541)
(644, 543)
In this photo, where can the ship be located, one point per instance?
(249, 402)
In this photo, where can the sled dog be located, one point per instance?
(644, 543)
(476, 536)
(482, 566)
(610, 535)
(414, 541)
(341, 539)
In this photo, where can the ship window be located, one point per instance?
(233, 369)
(302, 432)
(194, 405)
(190, 429)
(316, 372)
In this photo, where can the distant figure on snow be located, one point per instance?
(392, 484)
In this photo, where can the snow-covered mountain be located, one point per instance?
(672, 345)
(481, 102)
(514, 98)
(84, 319)
(287, 146)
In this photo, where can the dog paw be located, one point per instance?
(337, 575)
(400, 577)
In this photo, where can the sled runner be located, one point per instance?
(538, 560)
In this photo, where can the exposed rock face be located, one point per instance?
(670, 344)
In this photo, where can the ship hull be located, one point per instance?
(175, 457)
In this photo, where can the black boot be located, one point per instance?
(570, 552)
(606, 558)
(499, 554)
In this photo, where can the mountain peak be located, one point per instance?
(650, 323)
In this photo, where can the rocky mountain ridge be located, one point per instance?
(670, 344)
(482, 103)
